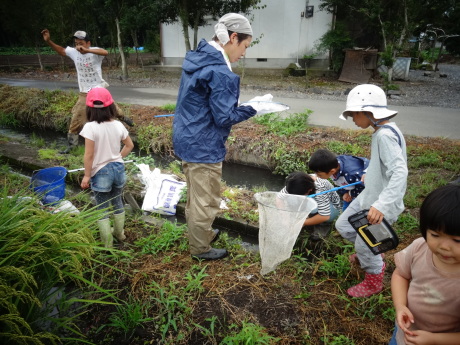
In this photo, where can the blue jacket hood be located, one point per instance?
(204, 55)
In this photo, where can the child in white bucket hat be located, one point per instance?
(385, 180)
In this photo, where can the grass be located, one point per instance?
(290, 125)
(44, 263)
(150, 291)
(155, 292)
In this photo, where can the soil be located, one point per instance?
(302, 302)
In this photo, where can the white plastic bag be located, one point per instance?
(61, 206)
(264, 104)
(163, 191)
(281, 217)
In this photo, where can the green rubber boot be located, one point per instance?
(106, 232)
(119, 226)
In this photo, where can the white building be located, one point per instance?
(287, 30)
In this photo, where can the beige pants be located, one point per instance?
(203, 202)
(79, 114)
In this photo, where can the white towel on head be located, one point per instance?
(231, 22)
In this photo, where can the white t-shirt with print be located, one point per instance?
(107, 137)
(88, 68)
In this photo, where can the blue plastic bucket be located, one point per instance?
(49, 183)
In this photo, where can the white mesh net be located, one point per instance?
(281, 217)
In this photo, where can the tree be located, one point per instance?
(196, 13)
(386, 24)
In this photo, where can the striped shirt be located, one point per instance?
(324, 201)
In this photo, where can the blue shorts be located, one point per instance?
(111, 175)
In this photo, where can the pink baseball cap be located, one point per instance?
(99, 94)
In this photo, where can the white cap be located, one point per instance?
(368, 97)
(82, 35)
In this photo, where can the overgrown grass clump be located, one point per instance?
(34, 108)
(46, 267)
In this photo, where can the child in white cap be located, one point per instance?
(206, 109)
(385, 180)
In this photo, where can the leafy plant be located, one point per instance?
(373, 306)
(153, 138)
(171, 108)
(166, 238)
(195, 280)
(208, 332)
(248, 334)
(129, 315)
(287, 160)
(335, 41)
(341, 148)
(9, 120)
(50, 154)
(338, 267)
(171, 308)
(330, 339)
(295, 123)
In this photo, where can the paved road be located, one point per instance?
(421, 121)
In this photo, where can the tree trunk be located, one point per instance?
(124, 68)
(439, 55)
(195, 30)
(183, 16)
(390, 68)
(37, 49)
(136, 45)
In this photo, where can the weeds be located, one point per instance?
(171, 308)
(129, 315)
(338, 267)
(170, 108)
(166, 238)
(156, 139)
(275, 124)
(287, 160)
(9, 120)
(341, 148)
(248, 334)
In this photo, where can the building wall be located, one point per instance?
(284, 35)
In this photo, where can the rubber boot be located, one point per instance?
(119, 226)
(372, 284)
(72, 141)
(106, 232)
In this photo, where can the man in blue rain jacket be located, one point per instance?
(207, 107)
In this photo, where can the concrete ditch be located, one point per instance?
(26, 158)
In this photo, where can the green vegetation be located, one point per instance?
(248, 334)
(148, 290)
(46, 262)
(287, 126)
(154, 138)
(170, 108)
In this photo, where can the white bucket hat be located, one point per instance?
(368, 97)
